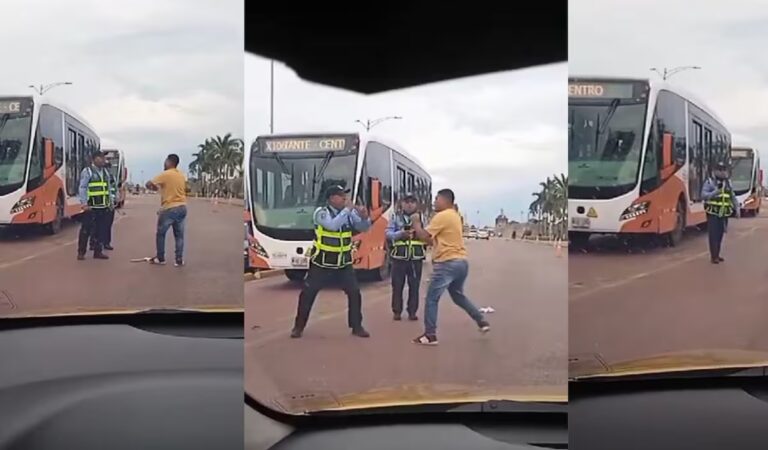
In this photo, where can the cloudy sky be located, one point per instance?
(491, 138)
(153, 78)
(727, 39)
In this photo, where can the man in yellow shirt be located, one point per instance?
(173, 213)
(450, 266)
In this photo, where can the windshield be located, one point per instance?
(604, 148)
(325, 355)
(14, 145)
(286, 189)
(742, 174)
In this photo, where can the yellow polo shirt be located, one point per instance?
(173, 188)
(446, 230)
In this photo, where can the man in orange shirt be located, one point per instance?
(173, 213)
(450, 266)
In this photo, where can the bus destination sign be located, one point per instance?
(741, 153)
(11, 107)
(601, 90)
(305, 144)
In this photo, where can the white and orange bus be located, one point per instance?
(119, 173)
(639, 152)
(287, 175)
(747, 179)
(43, 149)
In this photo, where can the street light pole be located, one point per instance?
(666, 73)
(368, 124)
(43, 88)
(272, 97)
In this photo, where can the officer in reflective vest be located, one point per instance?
(110, 220)
(719, 203)
(331, 259)
(94, 198)
(407, 253)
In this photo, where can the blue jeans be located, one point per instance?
(167, 218)
(449, 275)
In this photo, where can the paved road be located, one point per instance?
(638, 301)
(523, 355)
(40, 273)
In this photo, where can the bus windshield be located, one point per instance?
(741, 175)
(604, 148)
(14, 145)
(286, 189)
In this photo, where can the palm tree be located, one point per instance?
(550, 206)
(218, 162)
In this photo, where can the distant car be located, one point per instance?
(483, 235)
(472, 235)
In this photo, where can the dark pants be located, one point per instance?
(403, 270)
(716, 229)
(171, 218)
(319, 278)
(93, 224)
(107, 230)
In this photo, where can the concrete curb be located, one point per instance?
(260, 275)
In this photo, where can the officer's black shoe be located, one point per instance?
(721, 259)
(715, 260)
(360, 332)
(413, 317)
(296, 333)
(100, 256)
(108, 247)
(80, 257)
(396, 317)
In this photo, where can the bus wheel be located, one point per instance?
(579, 240)
(296, 275)
(55, 226)
(675, 236)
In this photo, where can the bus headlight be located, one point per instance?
(21, 205)
(638, 209)
(259, 249)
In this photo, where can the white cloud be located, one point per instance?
(152, 77)
(726, 39)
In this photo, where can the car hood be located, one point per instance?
(73, 312)
(415, 394)
(594, 365)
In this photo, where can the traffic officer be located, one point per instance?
(407, 253)
(331, 259)
(110, 220)
(719, 203)
(94, 198)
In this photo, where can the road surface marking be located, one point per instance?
(263, 339)
(632, 278)
(47, 250)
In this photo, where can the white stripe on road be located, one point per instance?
(632, 278)
(48, 250)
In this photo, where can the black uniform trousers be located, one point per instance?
(92, 223)
(107, 231)
(319, 278)
(403, 270)
(716, 229)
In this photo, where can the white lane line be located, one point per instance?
(16, 262)
(632, 278)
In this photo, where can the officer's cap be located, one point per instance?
(335, 190)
